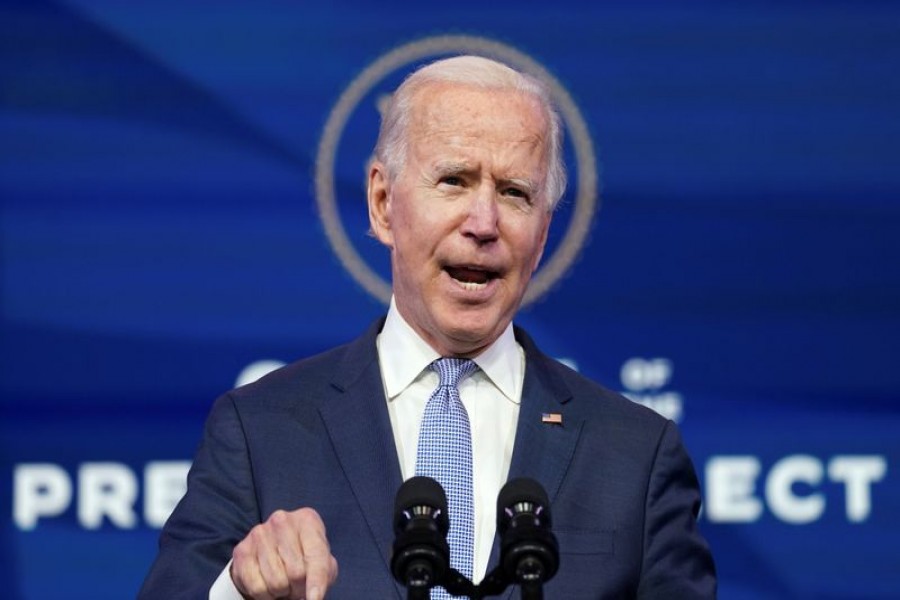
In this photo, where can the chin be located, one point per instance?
(472, 330)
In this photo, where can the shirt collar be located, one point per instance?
(503, 361)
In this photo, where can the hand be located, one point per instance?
(287, 557)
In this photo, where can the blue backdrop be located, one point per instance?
(165, 182)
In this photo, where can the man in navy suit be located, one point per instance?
(291, 490)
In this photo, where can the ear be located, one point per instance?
(378, 195)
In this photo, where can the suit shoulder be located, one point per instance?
(598, 400)
(306, 378)
(583, 396)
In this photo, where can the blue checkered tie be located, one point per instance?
(445, 454)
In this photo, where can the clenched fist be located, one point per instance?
(287, 557)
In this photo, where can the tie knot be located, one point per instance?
(453, 370)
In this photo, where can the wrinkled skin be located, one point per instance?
(466, 219)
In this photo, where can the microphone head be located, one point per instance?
(529, 552)
(522, 496)
(421, 556)
(421, 496)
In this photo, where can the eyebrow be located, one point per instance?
(460, 168)
(453, 168)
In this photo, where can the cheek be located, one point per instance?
(530, 242)
(413, 244)
(424, 230)
(409, 215)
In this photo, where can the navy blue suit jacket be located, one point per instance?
(316, 433)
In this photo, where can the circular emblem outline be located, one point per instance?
(586, 201)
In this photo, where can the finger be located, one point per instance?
(245, 571)
(333, 568)
(321, 566)
(270, 564)
(285, 529)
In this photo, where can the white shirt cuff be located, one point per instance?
(223, 588)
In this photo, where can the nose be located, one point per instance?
(482, 215)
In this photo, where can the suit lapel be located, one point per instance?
(542, 450)
(360, 430)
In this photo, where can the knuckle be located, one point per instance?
(308, 516)
(242, 552)
(256, 538)
(279, 518)
(279, 515)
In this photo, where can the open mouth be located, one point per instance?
(471, 278)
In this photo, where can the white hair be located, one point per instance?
(480, 72)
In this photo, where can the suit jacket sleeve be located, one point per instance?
(216, 513)
(676, 560)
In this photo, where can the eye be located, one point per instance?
(514, 192)
(451, 180)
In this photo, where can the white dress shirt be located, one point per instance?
(491, 395)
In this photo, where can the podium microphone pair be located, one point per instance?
(529, 553)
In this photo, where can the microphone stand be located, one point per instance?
(530, 574)
(493, 584)
(533, 590)
(458, 584)
(453, 581)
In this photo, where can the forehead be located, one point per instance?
(451, 110)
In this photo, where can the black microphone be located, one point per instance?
(421, 556)
(529, 552)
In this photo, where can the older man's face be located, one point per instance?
(466, 219)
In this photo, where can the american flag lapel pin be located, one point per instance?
(551, 418)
